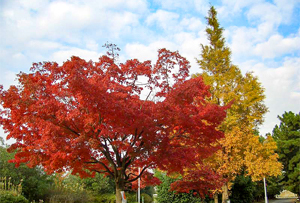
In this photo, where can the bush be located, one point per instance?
(98, 184)
(10, 197)
(148, 190)
(131, 197)
(147, 198)
(36, 183)
(103, 198)
(164, 195)
(61, 195)
(67, 189)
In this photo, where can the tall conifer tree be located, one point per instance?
(246, 95)
(287, 136)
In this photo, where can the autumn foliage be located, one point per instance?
(240, 149)
(201, 180)
(111, 118)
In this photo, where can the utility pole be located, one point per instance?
(139, 187)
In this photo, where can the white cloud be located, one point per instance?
(119, 23)
(43, 45)
(234, 7)
(18, 56)
(286, 9)
(276, 12)
(201, 6)
(34, 5)
(277, 46)
(173, 4)
(8, 78)
(262, 41)
(164, 19)
(143, 52)
(259, 38)
(136, 5)
(242, 41)
(265, 12)
(139, 6)
(188, 45)
(54, 20)
(281, 87)
(68, 21)
(172, 24)
(92, 45)
(295, 95)
(73, 14)
(63, 55)
(192, 24)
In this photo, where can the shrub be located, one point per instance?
(98, 184)
(131, 197)
(147, 198)
(103, 198)
(58, 196)
(36, 183)
(10, 197)
(164, 195)
(67, 189)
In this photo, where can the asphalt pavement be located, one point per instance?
(283, 200)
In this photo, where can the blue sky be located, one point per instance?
(264, 37)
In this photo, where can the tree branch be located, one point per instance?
(99, 162)
(137, 177)
(108, 157)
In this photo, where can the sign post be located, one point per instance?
(124, 200)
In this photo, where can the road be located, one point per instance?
(283, 201)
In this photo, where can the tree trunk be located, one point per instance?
(216, 198)
(119, 188)
(224, 193)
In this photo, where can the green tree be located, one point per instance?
(287, 136)
(273, 186)
(148, 190)
(99, 184)
(246, 190)
(35, 184)
(243, 190)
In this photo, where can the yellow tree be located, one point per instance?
(228, 85)
(260, 159)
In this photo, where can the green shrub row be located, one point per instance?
(111, 198)
(11, 197)
(104, 198)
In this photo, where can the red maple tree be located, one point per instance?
(89, 117)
